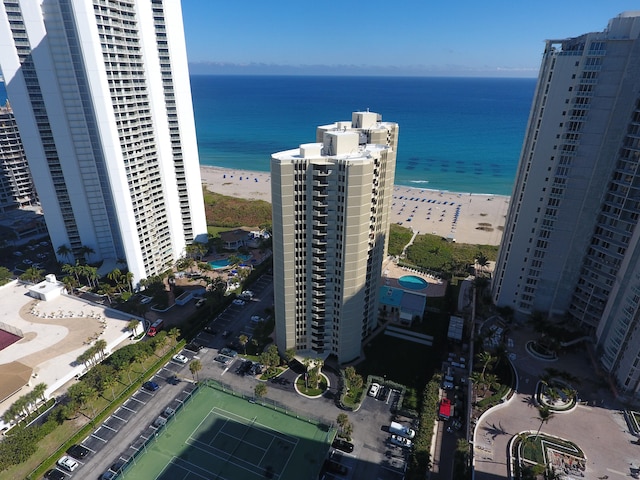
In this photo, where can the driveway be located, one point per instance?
(599, 428)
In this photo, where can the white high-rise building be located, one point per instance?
(16, 185)
(331, 202)
(571, 246)
(100, 91)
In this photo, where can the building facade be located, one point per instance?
(16, 185)
(101, 94)
(571, 243)
(331, 202)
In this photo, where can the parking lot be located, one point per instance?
(118, 437)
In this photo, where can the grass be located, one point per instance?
(311, 392)
(533, 449)
(228, 212)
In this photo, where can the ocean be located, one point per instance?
(456, 134)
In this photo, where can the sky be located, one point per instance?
(402, 37)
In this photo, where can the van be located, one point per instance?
(447, 385)
(449, 378)
(399, 429)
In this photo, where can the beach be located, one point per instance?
(463, 217)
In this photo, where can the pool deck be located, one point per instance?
(391, 273)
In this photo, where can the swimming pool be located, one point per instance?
(224, 262)
(412, 282)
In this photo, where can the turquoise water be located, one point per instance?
(224, 262)
(412, 282)
(456, 134)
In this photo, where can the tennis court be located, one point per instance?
(217, 435)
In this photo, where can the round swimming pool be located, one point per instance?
(412, 282)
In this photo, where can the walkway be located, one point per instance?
(600, 430)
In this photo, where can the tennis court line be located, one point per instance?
(229, 415)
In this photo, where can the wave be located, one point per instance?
(418, 181)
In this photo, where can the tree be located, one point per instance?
(544, 415)
(5, 275)
(39, 391)
(482, 261)
(260, 390)
(133, 325)
(101, 346)
(243, 340)
(65, 252)
(486, 359)
(290, 354)
(107, 290)
(85, 252)
(346, 427)
(173, 335)
(194, 367)
(32, 275)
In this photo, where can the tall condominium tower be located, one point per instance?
(331, 202)
(571, 244)
(100, 91)
(16, 185)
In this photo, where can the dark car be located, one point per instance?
(336, 467)
(210, 329)
(54, 475)
(193, 347)
(151, 386)
(342, 445)
(78, 451)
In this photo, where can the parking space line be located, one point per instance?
(119, 418)
(107, 426)
(99, 438)
(127, 408)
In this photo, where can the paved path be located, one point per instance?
(600, 429)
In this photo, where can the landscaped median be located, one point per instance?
(80, 434)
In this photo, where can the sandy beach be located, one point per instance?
(467, 218)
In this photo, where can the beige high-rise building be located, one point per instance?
(331, 203)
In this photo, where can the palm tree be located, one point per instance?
(39, 391)
(482, 261)
(128, 277)
(194, 367)
(65, 252)
(173, 335)
(85, 252)
(544, 415)
(32, 275)
(486, 359)
(243, 340)
(133, 324)
(107, 290)
(101, 346)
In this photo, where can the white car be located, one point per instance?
(237, 301)
(401, 441)
(373, 390)
(180, 358)
(68, 463)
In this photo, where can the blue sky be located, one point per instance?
(455, 37)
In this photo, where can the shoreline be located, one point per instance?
(475, 218)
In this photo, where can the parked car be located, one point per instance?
(78, 451)
(373, 390)
(151, 386)
(167, 412)
(239, 302)
(68, 463)
(160, 421)
(401, 441)
(180, 358)
(200, 303)
(342, 445)
(55, 474)
(228, 352)
(193, 347)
